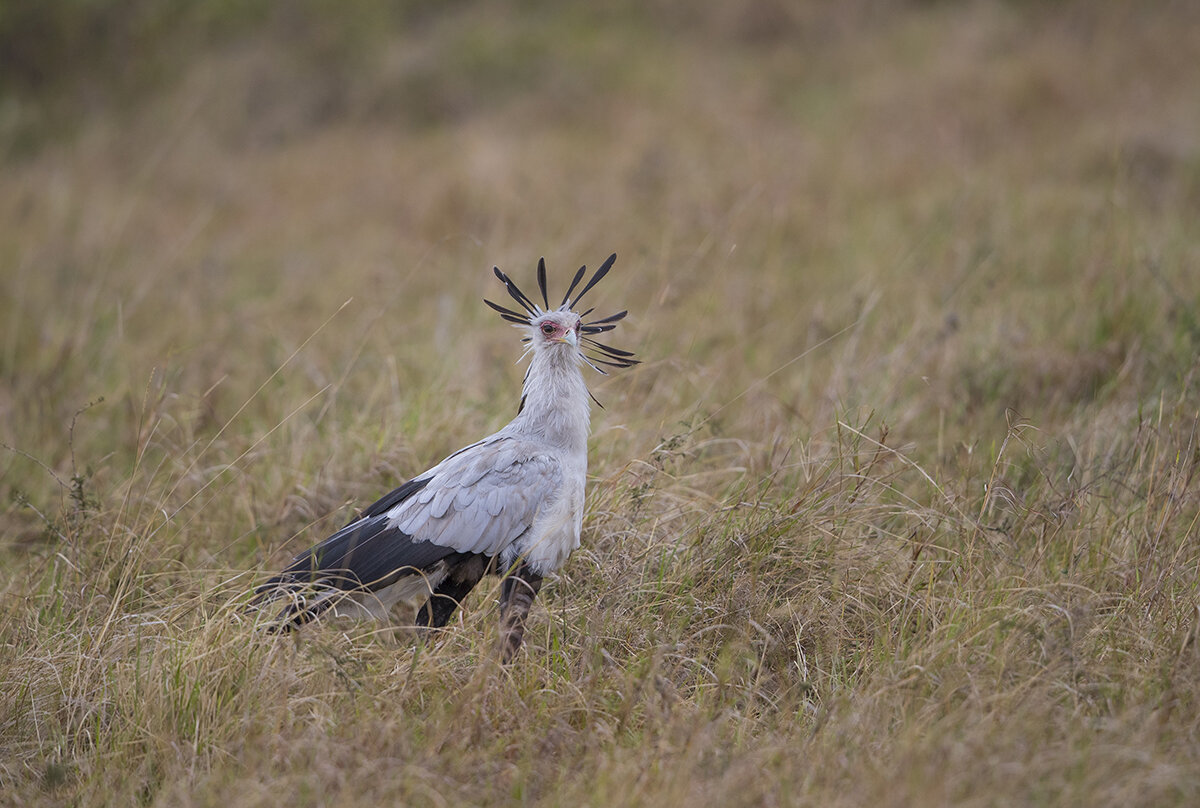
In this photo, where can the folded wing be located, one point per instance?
(477, 502)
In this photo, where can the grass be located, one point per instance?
(901, 508)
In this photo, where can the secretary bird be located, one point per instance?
(511, 504)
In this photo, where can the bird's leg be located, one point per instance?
(517, 592)
(442, 603)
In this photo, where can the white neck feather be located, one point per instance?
(557, 407)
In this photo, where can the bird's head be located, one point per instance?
(562, 328)
(556, 328)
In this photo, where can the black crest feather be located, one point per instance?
(515, 292)
(574, 282)
(597, 353)
(600, 273)
(541, 275)
(507, 314)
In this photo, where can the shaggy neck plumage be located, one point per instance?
(556, 406)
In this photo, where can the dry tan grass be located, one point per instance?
(901, 509)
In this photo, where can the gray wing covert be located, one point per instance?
(483, 499)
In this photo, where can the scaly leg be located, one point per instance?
(517, 592)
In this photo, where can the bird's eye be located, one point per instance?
(547, 329)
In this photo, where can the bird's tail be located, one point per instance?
(284, 603)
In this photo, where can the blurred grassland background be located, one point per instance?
(901, 508)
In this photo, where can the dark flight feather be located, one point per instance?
(394, 498)
(365, 555)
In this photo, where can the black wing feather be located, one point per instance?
(366, 554)
(395, 497)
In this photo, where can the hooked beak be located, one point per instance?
(569, 338)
